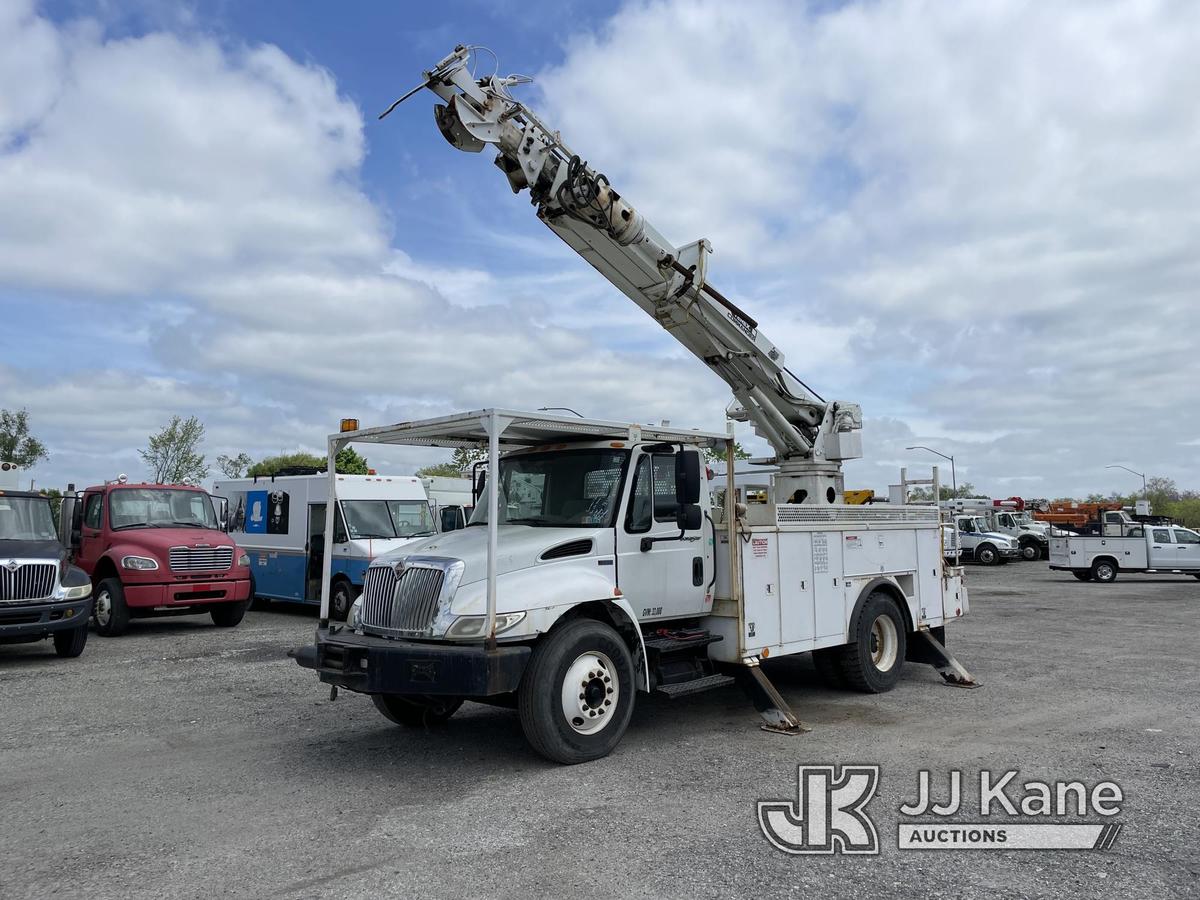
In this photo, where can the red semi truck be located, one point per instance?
(154, 550)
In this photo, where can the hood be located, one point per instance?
(998, 538)
(49, 550)
(519, 547)
(161, 540)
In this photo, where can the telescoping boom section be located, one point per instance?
(810, 435)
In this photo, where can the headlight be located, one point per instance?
(355, 617)
(141, 563)
(78, 592)
(244, 560)
(472, 626)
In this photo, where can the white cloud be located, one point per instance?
(994, 204)
(979, 221)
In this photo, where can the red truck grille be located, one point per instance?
(26, 581)
(195, 559)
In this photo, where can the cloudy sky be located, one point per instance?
(981, 221)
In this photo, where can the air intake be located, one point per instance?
(571, 548)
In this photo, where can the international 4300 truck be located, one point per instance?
(595, 565)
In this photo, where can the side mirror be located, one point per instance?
(687, 478)
(688, 516)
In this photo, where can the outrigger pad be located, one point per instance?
(952, 671)
(777, 716)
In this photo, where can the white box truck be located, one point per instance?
(280, 522)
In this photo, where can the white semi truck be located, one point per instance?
(595, 565)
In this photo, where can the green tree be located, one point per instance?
(717, 454)
(17, 445)
(233, 466)
(54, 495)
(459, 466)
(347, 462)
(173, 455)
(945, 492)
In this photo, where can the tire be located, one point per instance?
(568, 724)
(1082, 575)
(828, 667)
(110, 614)
(228, 615)
(341, 597)
(872, 663)
(1104, 571)
(1031, 551)
(69, 644)
(416, 710)
(987, 555)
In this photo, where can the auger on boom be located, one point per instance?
(810, 435)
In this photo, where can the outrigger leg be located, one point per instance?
(777, 715)
(948, 667)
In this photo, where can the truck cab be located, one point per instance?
(154, 550)
(41, 594)
(979, 543)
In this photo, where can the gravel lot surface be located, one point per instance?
(182, 760)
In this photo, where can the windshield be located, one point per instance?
(564, 489)
(160, 508)
(387, 518)
(26, 519)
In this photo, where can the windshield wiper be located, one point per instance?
(189, 524)
(360, 537)
(529, 520)
(419, 534)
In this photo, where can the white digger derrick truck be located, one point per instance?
(596, 566)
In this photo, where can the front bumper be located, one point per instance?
(33, 621)
(187, 593)
(1009, 553)
(373, 665)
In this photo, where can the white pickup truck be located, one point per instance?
(1151, 548)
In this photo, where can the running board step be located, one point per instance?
(683, 688)
(667, 644)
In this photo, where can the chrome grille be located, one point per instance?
(404, 604)
(26, 581)
(193, 559)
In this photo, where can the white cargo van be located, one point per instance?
(280, 523)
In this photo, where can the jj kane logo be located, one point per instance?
(829, 814)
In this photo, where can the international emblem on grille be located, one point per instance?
(12, 565)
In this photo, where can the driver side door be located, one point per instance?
(670, 578)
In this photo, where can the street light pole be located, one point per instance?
(1141, 475)
(953, 478)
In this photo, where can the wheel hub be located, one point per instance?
(103, 607)
(884, 643)
(590, 692)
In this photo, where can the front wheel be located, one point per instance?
(341, 598)
(1104, 571)
(415, 710)
(227, 615)
(987, 555)
(109, 611)
(1031, 552)
(69, 644)
(576, 696)
(872, 663)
